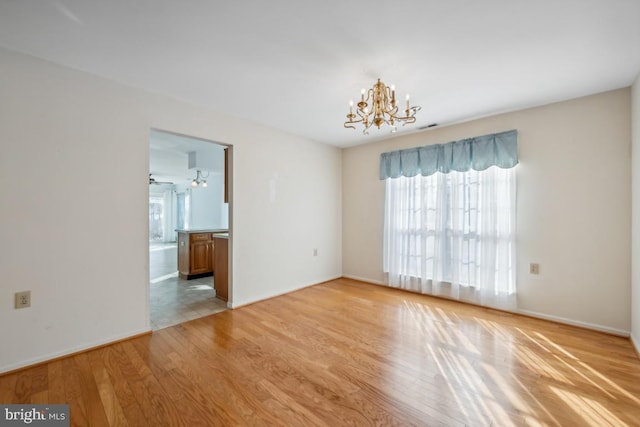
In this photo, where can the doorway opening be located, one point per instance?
(188, 218)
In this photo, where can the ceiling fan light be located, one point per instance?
(204, 184)
(194, 183)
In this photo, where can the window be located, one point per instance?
(452, 234)
(156, 220)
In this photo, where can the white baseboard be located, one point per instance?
(234, 304)
(571, 322)
(71, 351)
(363, 279)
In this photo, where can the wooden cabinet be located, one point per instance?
(221, 265)
(195, 255)
(200, 257)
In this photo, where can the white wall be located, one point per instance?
(573, 206)
(635, 264)
(208, 209)
(293, 194)
(80, 245)
(207, 205)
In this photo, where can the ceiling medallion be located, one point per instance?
(379, 108)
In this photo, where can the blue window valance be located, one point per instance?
(479, 153)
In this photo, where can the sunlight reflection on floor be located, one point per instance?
(532, 384)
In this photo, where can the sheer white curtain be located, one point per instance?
(453, 235)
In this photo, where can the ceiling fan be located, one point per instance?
(153, 181)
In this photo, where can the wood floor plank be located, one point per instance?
(40, 398)
(39, 379)
(230, 395)
(348, 353)
(22, 391)
(108, 397)
(73, 392)
(8, 387)
(135, 416)
(94, 407)
(55, 381)
(152, 398)
(116, 362)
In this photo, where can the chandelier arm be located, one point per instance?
(411, 111)
(408, 121)
(364, 115)
(366, 129)
(349, 123)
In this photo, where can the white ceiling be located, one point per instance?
(295, 65)
(169, 157)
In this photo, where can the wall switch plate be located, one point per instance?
(534, 268)
(23, 299)
(315, 252)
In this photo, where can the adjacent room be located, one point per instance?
(188, 211)
(321, 213)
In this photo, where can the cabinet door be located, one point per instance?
(221, 275)
(200, 257)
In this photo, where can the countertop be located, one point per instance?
(221, 235)
(207, 230)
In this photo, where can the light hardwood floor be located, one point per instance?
(347, 353)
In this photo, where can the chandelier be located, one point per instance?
(380, 108)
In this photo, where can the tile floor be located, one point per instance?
(174, 300)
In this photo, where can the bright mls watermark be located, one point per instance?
(36, 415)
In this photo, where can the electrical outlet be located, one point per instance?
(534, 268)
(23, 299)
